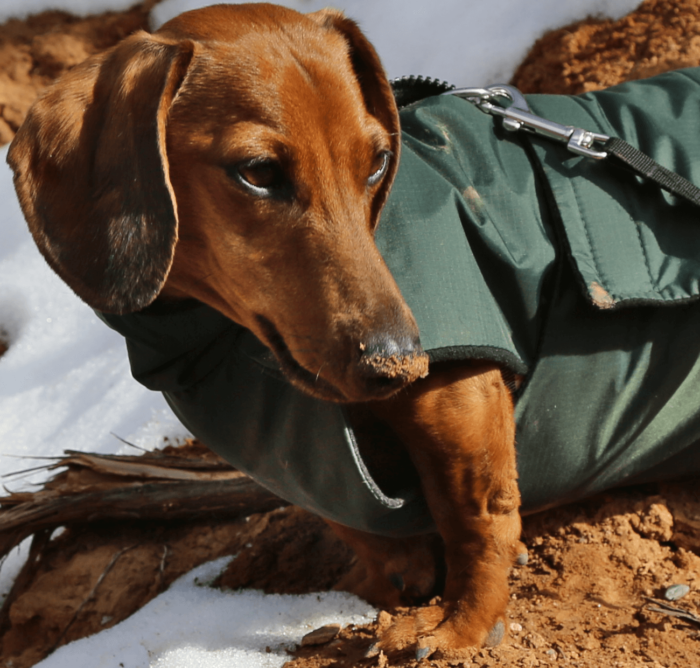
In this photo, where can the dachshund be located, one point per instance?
(241, 156)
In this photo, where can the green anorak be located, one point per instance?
(509, 248)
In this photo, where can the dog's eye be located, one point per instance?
(381, 163)
(264, 178)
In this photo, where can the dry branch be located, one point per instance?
(99, 487)
(662, 607)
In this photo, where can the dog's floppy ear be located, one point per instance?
(91, 173)
(376, 90)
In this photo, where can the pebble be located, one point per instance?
(515, 627)
(676, 592)
(321, 636)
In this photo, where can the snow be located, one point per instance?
(65, 381)
(214, 629)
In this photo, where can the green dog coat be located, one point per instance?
(506, 247)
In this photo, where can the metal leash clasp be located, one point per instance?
(518, 116)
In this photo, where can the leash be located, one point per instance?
(518, 116)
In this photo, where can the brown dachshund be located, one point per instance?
(241, 156)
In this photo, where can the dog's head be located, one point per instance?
(241, 156)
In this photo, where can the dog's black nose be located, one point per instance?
(387, 362)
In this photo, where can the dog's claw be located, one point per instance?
(496, 634)
(372, 651)
(423, 653)
(522, 559)
(397, 580)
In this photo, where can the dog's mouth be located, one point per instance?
(296, 373)
(380, 369)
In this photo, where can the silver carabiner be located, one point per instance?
(518, 116)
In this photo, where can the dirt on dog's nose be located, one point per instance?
(387, 363)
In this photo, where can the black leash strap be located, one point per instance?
(625, 155)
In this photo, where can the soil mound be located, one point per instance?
(35, 51)
(661, 35)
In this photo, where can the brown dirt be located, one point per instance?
(581, 599)
(34, 52)
(65, 598)
(660, 35)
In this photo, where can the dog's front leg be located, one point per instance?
(459, 428)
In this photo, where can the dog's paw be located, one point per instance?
(407, 628)
(433, 646)
(452, 634)
(433, 628)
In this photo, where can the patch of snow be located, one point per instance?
(193, 626)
